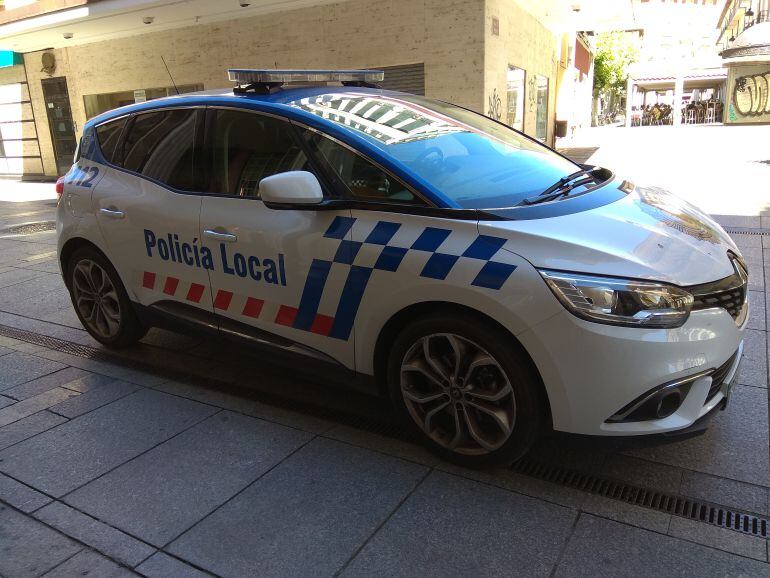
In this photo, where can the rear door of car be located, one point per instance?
(148, 210)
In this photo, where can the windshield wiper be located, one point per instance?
(562, 187)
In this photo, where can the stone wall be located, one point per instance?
(464, 62)
(522, 41)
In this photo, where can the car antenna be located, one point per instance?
(169, 74)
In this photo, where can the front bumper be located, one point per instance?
(591, 370)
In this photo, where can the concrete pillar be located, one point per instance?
(629, 99)
(678, 93)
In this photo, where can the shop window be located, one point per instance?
(541, 122)
(99, 103)
(160, 146)
(515, 90)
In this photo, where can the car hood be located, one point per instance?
(649, 234)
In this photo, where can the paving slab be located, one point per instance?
(114, 543)
(28, 548)
(92, 397)
(20, 496)
(335, 493)
(526, 485)
(161, 565)
(726, 492)
(645, 473)
(89, 563)
(17, 368)
(34, 404)
(627, 513)
(455, 527)
(28, 427)
(59, 378)
(14, 276)
(598, 547)
(165, 491)
(757, 314)
(250, 407)
(734, 446)
(753, 369)
(719, 538)
(68, 456)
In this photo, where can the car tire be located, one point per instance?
(494, 394)
(100, 300)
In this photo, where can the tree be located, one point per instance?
(615, 52)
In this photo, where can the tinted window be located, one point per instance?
(108, 135)
(362, 179)
(473, 160)
(160, 145)
(247, 147)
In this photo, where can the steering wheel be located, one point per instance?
(430, 160)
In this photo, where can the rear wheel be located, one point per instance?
(466, 390)
(100, 300)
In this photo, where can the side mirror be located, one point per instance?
(291, 188)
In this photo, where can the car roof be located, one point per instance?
(280, 97)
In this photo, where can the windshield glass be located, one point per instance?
(473, 160)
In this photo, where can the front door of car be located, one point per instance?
(278, 274)
(149, 220)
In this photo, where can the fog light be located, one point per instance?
(668, 403)
(658, 403)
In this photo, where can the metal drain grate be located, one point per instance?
(747, 231)
(29, 228)
(698, 510)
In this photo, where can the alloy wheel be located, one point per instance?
(458, 394)
(96, 298)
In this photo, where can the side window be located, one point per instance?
(108, 135)
(246, 147)
(160, 145)
(362, 179)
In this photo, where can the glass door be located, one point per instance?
(57, 106)
(515, 89)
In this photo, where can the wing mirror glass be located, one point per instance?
(291, 188)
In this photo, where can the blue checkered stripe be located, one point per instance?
(492, 274)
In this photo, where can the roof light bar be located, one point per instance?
(244, 76)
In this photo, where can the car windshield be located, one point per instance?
(474, 161)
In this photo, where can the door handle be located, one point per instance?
(112, 213)
(220, 236)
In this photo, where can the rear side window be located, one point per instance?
(108, 135)
(161, 145)
(245, 148)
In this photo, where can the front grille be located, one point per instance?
(729, 293)
(719, 375)
(732, 300)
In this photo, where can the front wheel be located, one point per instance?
(466, 390)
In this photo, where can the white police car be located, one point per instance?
(491, 286)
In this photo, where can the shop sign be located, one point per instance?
(140, 95)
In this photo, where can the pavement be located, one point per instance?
(184, 457)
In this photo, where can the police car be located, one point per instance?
(491, 287)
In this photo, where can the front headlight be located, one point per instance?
(620, 301)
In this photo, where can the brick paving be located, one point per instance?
(118, 469)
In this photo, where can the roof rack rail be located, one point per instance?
(264, 81)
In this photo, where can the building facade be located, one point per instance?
(79, 58)
(744, 43)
